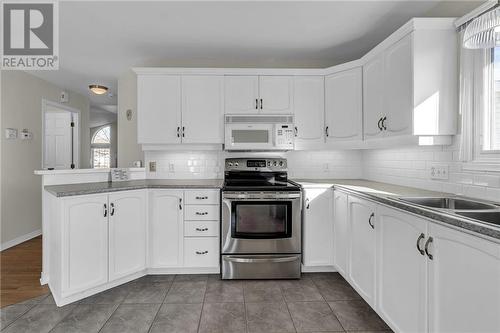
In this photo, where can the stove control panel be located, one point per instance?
(256, 164)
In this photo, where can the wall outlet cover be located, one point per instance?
(439, 171)
(10, 133)
(152, 166)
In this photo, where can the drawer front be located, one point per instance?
(202, 197)
(201, 252)
(201, 229)
(201, 212)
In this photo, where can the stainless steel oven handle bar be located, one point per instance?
(260, 260)
(261, 196)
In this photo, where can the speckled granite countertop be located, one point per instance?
(105, 187)
(388, 194)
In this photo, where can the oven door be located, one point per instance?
(263, 222)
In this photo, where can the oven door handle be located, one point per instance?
(260, 260)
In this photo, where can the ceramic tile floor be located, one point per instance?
(320, 302)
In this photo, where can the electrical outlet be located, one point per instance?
(171, 167)
(439, 171)
(152, 166)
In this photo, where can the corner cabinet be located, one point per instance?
(317, 228)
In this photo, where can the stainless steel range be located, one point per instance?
(261, 220)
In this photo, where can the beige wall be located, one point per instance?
(128, 149)
(21, 107)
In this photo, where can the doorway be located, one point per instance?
(61, 137)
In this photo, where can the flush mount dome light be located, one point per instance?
(98, 89)
(484, 31)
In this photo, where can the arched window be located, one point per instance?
(101, 147)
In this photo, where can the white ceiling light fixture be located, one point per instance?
(98, 89)
(484, 31)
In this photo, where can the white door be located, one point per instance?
(85, 243)
(401, 270)
(241, 94)
(343, 106)
(398, 87)
(158, 109)
(373, 97)
(127, 233)
(341, 233)
(318, 227)
(362, 248)
(464, 282)
(309, 109)
(57, 141)
(202, 109)
(276, 94)
(166, 229)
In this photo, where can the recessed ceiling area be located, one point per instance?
(99, 41)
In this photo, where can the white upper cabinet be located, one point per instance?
(309, 107)
(158, 109)
(341, 233)
(398, 86)
(464, 282)
(373, 97)
(258, 94)
(203, 109)
(343, 106)
(166, 228)
(402, 270)
(318, 227)
(241, 94)
(84, 243)
(276, 94)
(127, 233)
(362, 247)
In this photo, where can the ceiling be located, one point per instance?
(99, 41)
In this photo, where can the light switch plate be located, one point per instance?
(152, 166)
(438, 171)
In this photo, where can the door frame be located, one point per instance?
(76, 132)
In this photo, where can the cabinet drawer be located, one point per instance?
(201, 212)
(201, 229)
(201, 252)
(202, 197)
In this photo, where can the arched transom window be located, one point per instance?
(101, 148)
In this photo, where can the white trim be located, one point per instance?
(475, 12)
(20, 239)
(317, 269)
(76, 143)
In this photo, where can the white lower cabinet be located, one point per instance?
(341, 233)
(84, 243)
(201, 252)
(127, 233)
(401, 270)
(362, 247)
(317, 227)
(464, 282)
(166, 229)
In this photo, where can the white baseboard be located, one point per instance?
(20, 239)
(317, 269)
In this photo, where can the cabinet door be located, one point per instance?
(362, 248)
(309, 107)
(127, 233)
(158, 109)
(276, 94)
(402, 270)
(343, 112)
(166, 229)
(464, 282)
(398, 87)
(341, 233)
(373, 97)
(202, 109)
(85, 243)
(318, 227)
(241, 94)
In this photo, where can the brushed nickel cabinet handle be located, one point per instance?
(429, 241)
(326, 131)
(201, 229)
(112, 206)
(296, 131)
(201, 213)
(105, 213)
(372, 215)
(178, 132)
(307, 203)
(183, 130)
(383, 123)
(419, 240)
(256, 104)
(201, 252)
(180, 203)
(378, 124)
(201, 198)
(261, 104)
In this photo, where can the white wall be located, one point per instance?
(21, 107)
(128, 149)
(411, 167)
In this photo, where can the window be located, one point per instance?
(101, 148)
(491, 119)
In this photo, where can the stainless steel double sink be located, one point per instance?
(477, 210)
